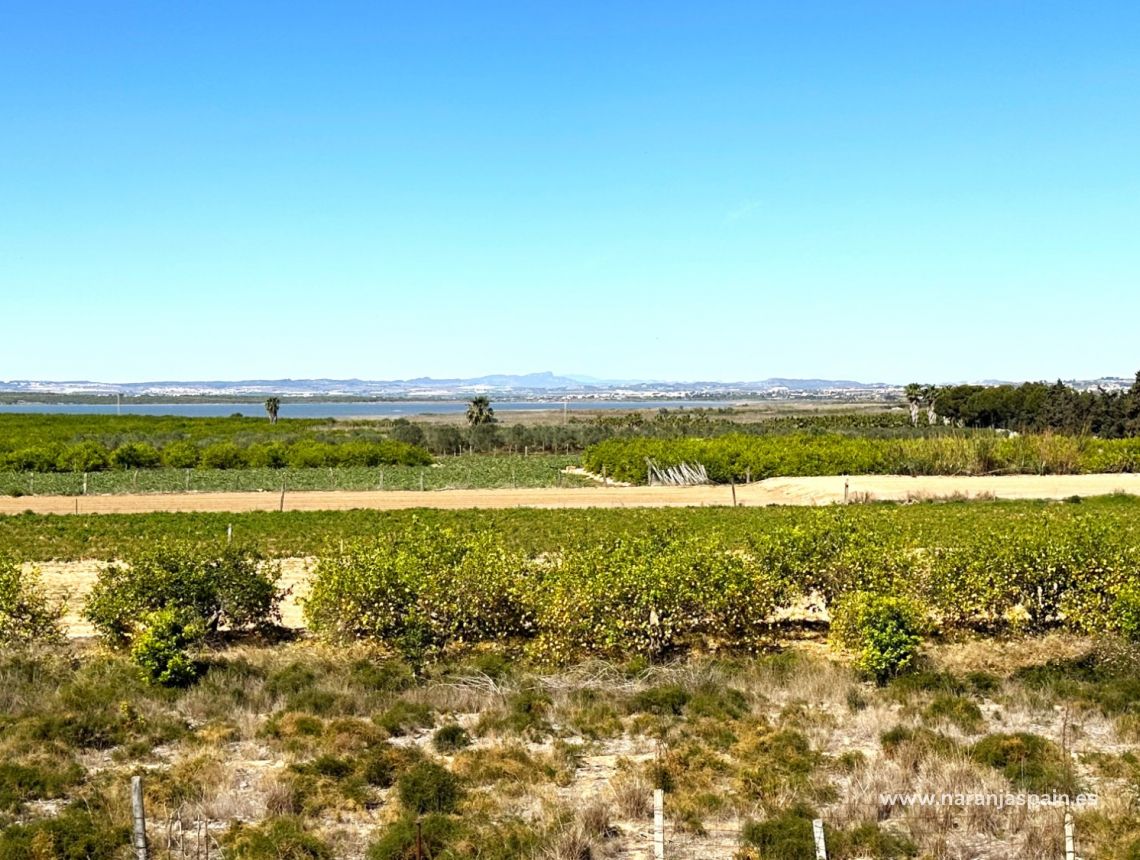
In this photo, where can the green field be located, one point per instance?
(31, 537)
(464, 471)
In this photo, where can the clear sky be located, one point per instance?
(883, 191)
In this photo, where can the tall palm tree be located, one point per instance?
(913, 394)
(272, 405)
(479, 411)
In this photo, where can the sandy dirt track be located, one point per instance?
(774, 491)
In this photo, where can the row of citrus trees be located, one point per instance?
(741, 457)
(90, 456)
(426, 591)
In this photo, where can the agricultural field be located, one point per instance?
(516, 684)
(741, 457)
(477, 471)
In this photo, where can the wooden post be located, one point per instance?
(1070, 847)
(846, 486)
(820, 841)
(658, 824)
(748, 475)
(733, 492)
(281, 506)
(77, 504)
(85, 483)
(229, 532)
(605, 480)
(381, 479)
(421, 482)
(419, 840)
(138, 815)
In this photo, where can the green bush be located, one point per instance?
(884, 632)
(1029, 761)
(27, 615)
(84, 457)
(274, 839)
(224, 587)
(135, 455)
(426, 787)
(398, 840)
(160, 648)
(1127, 612)
(787, 836)
(181, 455)
(36, 780)
(450, 738)
(76, 833)
(222, 455)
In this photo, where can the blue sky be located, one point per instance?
(871, 190)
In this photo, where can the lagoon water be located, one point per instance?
(379, 409)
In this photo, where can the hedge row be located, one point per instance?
(306, 453)
(421, 590)
(739, 457)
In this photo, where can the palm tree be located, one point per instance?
(272, 405)
(930, 401)
(479, 411)
(913, 394)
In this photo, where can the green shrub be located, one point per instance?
(884, 632)
(426, 787)
(27, 616)
(1029, 761)
(222, 455)
(181, 455)
(274, 839)
(84, 457)
(35, 780)
(404, 716)
(664, 701)
(398, 840)
(1127, 612)
(135, 455)
(76, 833)
(229, 587)
(450, 738)
(160, 648)
(787, 836)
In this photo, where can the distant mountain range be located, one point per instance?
(537, 386)
(522, 386)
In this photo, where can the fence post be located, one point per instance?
(85, 483)
(419, 840)
(820, 841)
(229, 532)
(734, 491)
(1070, 847)
(138, 815)
(281, 507)
(658, 824)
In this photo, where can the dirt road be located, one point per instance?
(774, 491)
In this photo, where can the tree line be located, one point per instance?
(1032, 407)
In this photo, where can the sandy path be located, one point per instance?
(774, 491)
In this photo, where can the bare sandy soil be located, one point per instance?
(774, 491)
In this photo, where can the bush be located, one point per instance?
(76, 833)
(135, 455)
(427, 787)
(787, 836)
(884, 632)
(274, 839)
(160, 649)
(84, 457)
(180, 455)
(450, 738)
(1127, 613)
(228, 587)
(27, 616)
(1031, 762)
(398, 840)
(222, 455)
